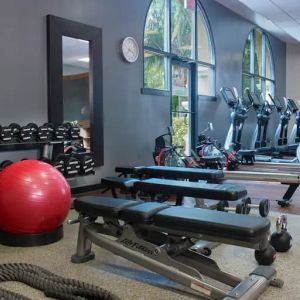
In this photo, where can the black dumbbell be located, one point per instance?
(224, 206)
(59, 163)
(281, 239)
(72, 130)
(15, 130)
(51, 128)
(5, 164)
(72, 165)
(87, 163)
(43, 133)
(26, 134)
(34, 129)
(6, 134)
(60, 132)
(263, 206)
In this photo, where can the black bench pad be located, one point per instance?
(118, 182)
(141, 213)
(214, 223)
(250, 229)
(102, 206)
(227, 192)
(181, 173)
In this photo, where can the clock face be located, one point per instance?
(130, 49)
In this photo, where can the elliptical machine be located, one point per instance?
(263, 111)
(295, 133)
(285, 112)
(239, 109)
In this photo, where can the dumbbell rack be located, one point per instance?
(32, 145)
(47, 148)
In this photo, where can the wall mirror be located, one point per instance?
(75, 79)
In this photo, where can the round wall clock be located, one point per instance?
(130, 49)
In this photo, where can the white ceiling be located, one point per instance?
(280, 17)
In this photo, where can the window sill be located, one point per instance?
(154, 92)
(206, 98)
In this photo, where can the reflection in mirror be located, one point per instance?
(76, 94)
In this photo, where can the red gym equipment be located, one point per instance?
(34, 202)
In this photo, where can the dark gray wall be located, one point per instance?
(131, 120)
(230, 32)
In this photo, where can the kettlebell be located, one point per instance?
(281, 241)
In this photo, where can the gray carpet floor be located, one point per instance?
(130, 281)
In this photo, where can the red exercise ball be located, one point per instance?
(34, 198)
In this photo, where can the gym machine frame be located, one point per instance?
(188, 270)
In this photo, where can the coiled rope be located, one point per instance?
(52, 285)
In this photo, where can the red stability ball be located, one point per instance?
(34, 198)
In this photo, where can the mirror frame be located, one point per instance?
(57, 28)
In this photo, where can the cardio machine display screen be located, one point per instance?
(276, 102)
(229, 96)
(256, 100)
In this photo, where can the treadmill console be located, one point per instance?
(229, 97)
(254, 99)
(292, 106)
(277, 103)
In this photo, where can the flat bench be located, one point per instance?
(154, 186)
(192, 174)
(195, 174)
(160, 237)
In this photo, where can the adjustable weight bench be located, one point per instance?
(159, 237)
(154, 186)
(192, 174)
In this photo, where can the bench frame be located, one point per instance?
(180, 264)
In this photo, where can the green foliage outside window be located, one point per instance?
(155, 25)
(154, 71)
(180, 127)
(262, 66)
(247, 55)
(181, 29)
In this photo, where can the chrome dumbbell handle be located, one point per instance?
(70, 222)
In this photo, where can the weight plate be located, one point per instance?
(264, 207)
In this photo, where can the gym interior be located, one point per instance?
(149, 149)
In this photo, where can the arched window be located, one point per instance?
(177, 29)
(258, 67)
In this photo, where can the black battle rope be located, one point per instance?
(52, 285)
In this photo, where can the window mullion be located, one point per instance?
(263, 54)
(167, 26)
(196, 31)
(252, 52)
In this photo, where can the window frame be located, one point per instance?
(171, 56)
(263, 78)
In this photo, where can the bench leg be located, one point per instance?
(84, 245)
(114, 193)
(287, 197)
